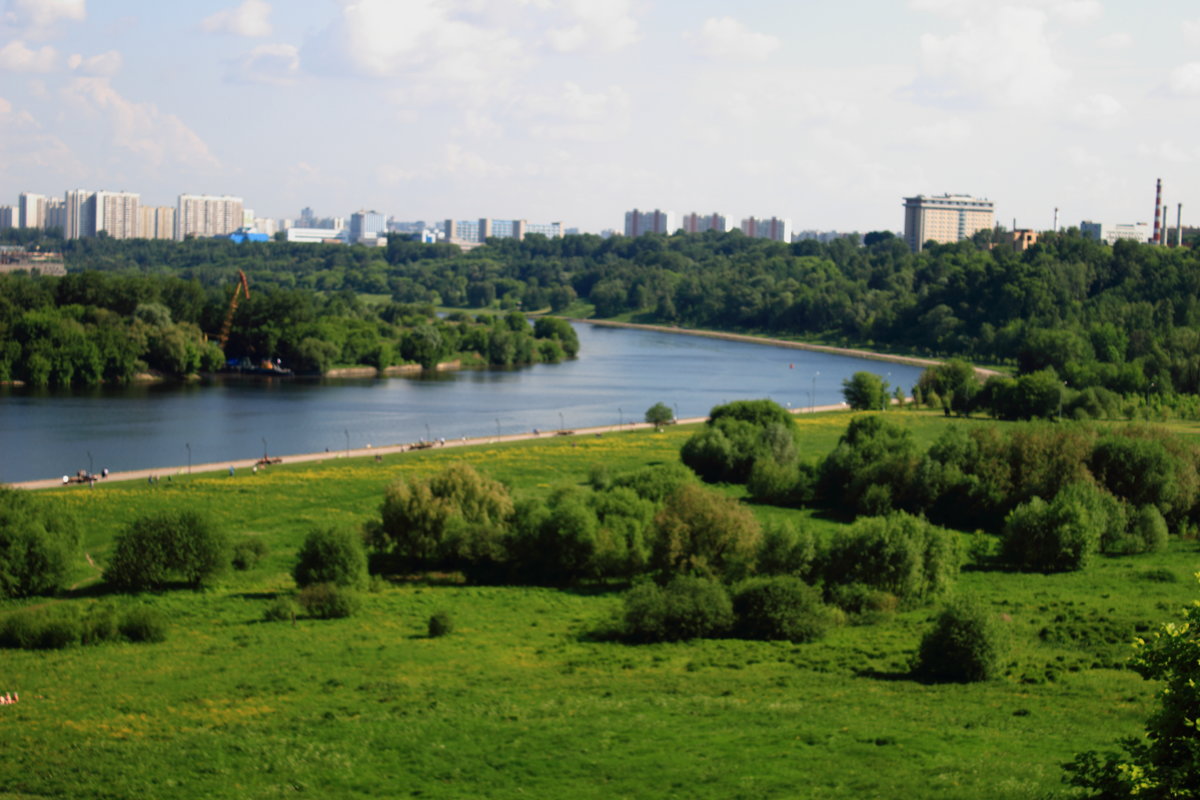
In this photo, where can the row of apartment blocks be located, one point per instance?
(476, 232)
(664, 222)
(83, 213)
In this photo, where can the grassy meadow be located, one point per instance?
(520, 701)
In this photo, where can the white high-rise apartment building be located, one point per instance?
(656, 221)
(156, 222)
(779, 230)
(117, 214)
(202, 215)
(80, 214)
(945, 218)
(31, 210)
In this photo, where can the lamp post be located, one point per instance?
(621, 417)
(676, 411)
(90, 470)
(264, 441)
(497, 427)
(812, 396)
(561, 425)
(347, 432)
(188, 445)
(428, 437)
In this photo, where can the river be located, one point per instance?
(618, 375)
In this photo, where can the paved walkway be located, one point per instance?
(365, 452)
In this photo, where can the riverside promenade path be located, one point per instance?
(914, 361)
(366, 452)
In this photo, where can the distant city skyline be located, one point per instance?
(827, 115)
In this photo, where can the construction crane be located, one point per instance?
(243, 287)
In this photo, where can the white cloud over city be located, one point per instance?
(577, 110)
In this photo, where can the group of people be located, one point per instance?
(9, 698)
(83, 476)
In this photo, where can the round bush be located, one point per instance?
(143, 625)
(99, 624)
(330, 555)
(440, 624)
(19, 631)
(248, 552)
(280, 609)
(686, 608)
(965, 645)
(780, 608)
(328, 601)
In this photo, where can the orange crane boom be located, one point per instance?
(243, 287)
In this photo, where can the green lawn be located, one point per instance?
(520, 702)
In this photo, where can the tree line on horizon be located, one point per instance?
(1124, 318)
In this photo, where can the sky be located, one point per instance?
(826, 113)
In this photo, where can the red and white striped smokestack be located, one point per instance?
(1156, 238)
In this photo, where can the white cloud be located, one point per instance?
(1191, 31)
(422, 41)
(156, 137)
(1076, 10)
(248, 19)
(1099, 109)
(1167, 151)
(105, 64)
(26, 149)
(1002, 54)
(274, 64)
(603, 25)
(39, 15)
(1115, 41)
(942, 132)
(572, 113)
(727, 38)
(463, 163)
(16, 57)
(1185, 79)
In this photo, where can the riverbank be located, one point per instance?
(912, 361)
(243, 464)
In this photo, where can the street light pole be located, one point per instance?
(90, 469)
(812, 397)
(264, 441)
(428, 436)
(497, 427)
(561, 425)
(621, 417)
(347, 432)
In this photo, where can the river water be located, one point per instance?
(619, 374)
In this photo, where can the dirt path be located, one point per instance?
(241, 466)
(819, 348)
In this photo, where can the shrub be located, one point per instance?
(699, 531)
(871, 467)
(449, 519)
(19, 631)
(143, 625)
(899, 553)
(655, 483)
(37, 541)
(863, 602)
(168, 545)
(790, 485)
(965, 645)
(58, 630)
(330, 555)
(1148, 530)
(736, 435)
(328, 601)
(786, 550)
(99, 624)
(686, 608)
(779, 608)
(248, 552)
(281, 609)
(440, 624)
(1059, 536)
(865, 391)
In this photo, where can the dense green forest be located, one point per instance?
(94, 326)
(1125, 318)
